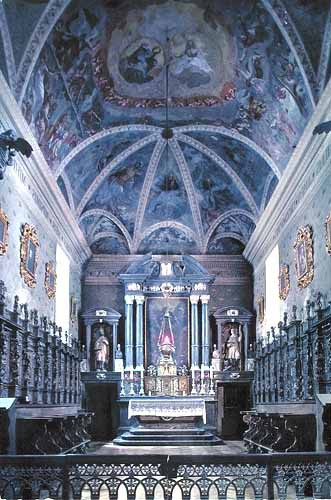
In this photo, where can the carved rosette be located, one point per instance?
(304, 258)
(284, 281)
(50, 280)
(328, 233)
(29, 256)
(4, 223)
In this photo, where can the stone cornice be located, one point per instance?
(308, 168)
(227, 269)
(35, 174)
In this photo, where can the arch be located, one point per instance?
(53, 11)
(224, 166)
(111, 165)
(189, 186)
(110, 216)
(168, 224)
(234, 211)
(101, 135)
(301, 48)
(232, 134)
(7, 47)
(148, 181)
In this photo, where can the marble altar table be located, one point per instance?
(167, 407)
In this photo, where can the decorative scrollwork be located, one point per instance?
(304, 259)
(4, 223)
(284, 281)
(29, 256)
(50, 280)
(328, 233)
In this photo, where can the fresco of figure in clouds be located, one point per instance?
(189, 61)
(142, 61)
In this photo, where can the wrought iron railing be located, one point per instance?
(293, 363)
(151, 477)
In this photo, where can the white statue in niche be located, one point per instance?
(233, 348)
(216, 359)
(101, 350)
(119, 367)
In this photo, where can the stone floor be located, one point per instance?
(228, 448)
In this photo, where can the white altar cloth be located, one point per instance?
(168, 407)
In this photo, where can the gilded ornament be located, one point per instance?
(304, 259)
(260, 304)
(328, 233)
(4, 223)
(29, 255)
(50, 280)
(284, 282)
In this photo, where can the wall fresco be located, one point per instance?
(104, 65)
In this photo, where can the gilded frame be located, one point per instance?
(50, 280)
(4, 223)
(328, 233)
(304, 258)
(29, 255)
(260, 310)
(284, 281)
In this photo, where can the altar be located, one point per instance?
(165, 374)
(168, 408)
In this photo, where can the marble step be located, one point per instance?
(159, 432)
(150, 437)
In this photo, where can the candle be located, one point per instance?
(122, 373)
(211, 373)
(131, 373)
(202, 372)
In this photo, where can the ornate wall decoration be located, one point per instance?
(328, 233)
(50, 280)
(29, 256)
(304, 259)
(4, 223)
(284, 281)
(260, 305)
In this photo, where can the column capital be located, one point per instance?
(194, 299)
(140, 299)
(129, 299)
(205, 299)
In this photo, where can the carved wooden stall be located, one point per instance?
(42, 371)
(292, 379)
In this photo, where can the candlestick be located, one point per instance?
(193, 390)
(202, 380)
(142, 392)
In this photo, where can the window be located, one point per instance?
(272, 300)
(62, 301)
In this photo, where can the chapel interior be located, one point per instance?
(165, 249)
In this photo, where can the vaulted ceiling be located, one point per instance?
(244, 78)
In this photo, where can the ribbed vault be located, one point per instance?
(244, 78)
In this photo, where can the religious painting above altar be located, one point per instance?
(178, 308)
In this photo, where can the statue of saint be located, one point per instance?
(233, 347)
(101, 350)
(216, 360)
(119, 367)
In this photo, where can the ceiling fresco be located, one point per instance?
(243, 79)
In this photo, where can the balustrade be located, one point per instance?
(291, 476)
(37, 364)
(295, 363)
